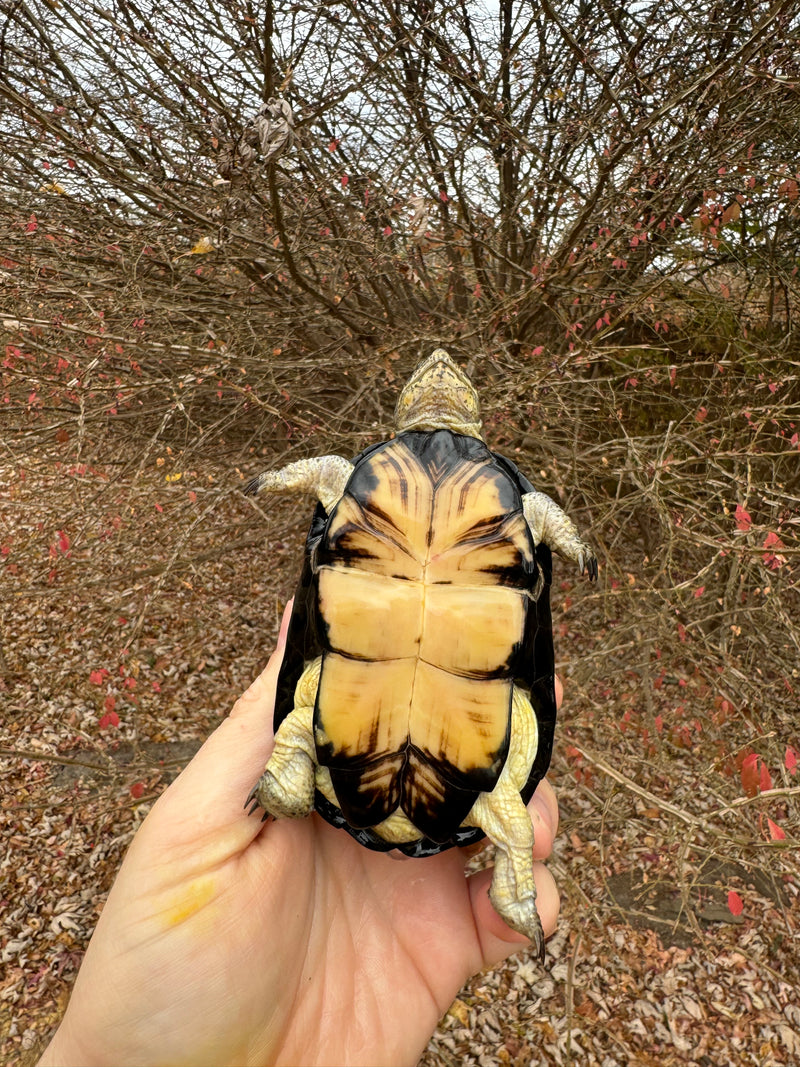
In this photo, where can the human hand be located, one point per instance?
(229, 941)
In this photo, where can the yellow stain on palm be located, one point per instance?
(192, 899)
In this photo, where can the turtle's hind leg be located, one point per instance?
(505, 820)
(286, 788)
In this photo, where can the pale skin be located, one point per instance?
(229, 941)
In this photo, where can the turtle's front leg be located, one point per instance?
(549, 524)
(325, 477)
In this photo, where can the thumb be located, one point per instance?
(497, 940)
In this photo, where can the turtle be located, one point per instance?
(415, 705)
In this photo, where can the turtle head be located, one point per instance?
(439, 396)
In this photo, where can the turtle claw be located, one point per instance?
(521, 915)
(587, 564)
(538, 946)
(252, 804)
(252, 801)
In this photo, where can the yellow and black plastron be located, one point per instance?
(418, 593)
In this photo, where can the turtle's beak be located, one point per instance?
(439, 396)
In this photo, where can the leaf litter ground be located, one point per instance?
(134, 612)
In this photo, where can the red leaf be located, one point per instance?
(743, 520)
(764, 778)
(334, 144)
(701, 414)
(735, 905)
(699, 591)
(387, 231)
(110, 703)
(33, 225)
(344, 180)
(192, 495)
(790, 760)
(443, 196)
(775, 832)
(97, 677)
(673, 374)
(137, 790)
(63, 541)
(112, 719)
(750, 775)
(772, 560)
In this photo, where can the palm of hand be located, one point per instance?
(223, 942)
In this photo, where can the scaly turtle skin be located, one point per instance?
(416, 701)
